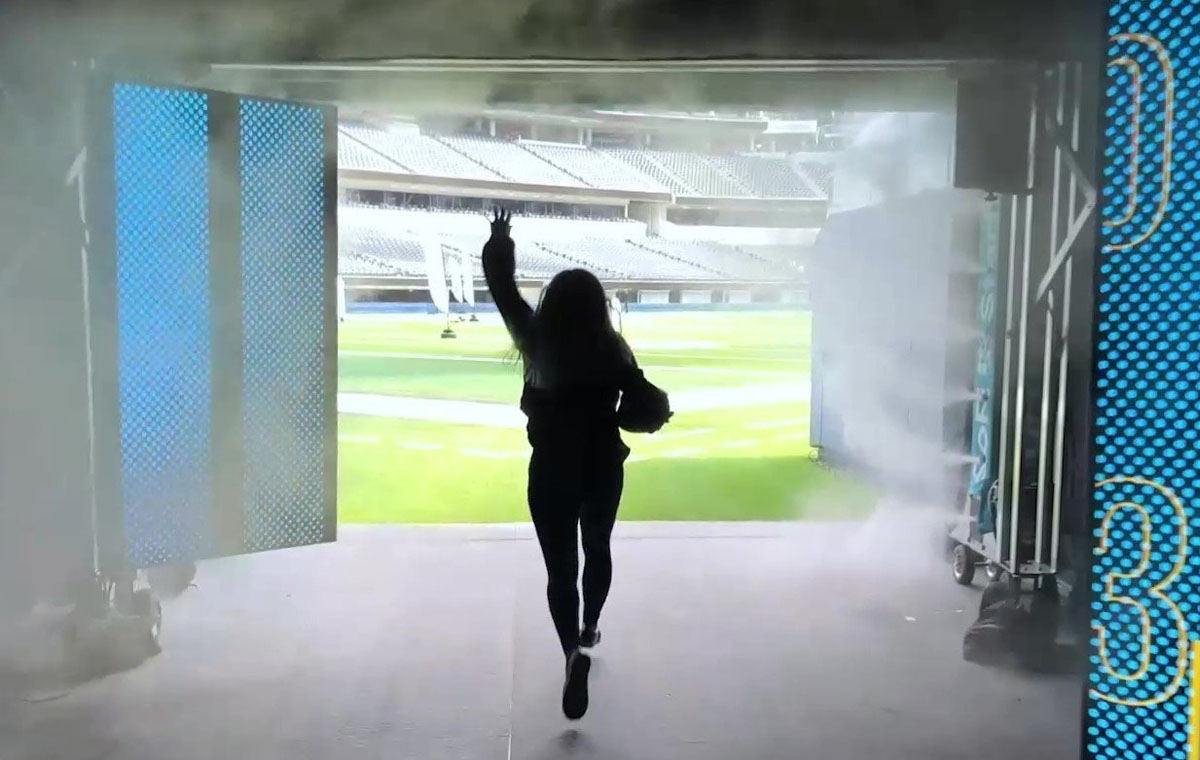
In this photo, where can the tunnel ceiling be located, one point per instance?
(327, 30)
(434, 86)
(875, 54)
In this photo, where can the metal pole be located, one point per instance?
(1001, 491)
(1039, 534)
(1060, 423)
(1022, 343)
(91, 399)
(77, 175)
(1047, 365)
(446, 274)
(1060, 417)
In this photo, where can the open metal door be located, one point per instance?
(211, 294)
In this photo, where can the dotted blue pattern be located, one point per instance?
(282, 161)
(1146, 596)
(162, 241)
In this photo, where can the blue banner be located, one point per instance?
(983, 418)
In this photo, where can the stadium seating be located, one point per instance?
(352, 261)
(693, 173)
(820, 175)
(767, 177)
(382, 241)
(625, 259)
(403, 149)
(641, 161)
(790, 259)
(353, 154)
(730, 175)
(417, 153)
(509, 161)
(721, 259)
(388, 241)
(594, 167)
(475, 225)
(404, 256)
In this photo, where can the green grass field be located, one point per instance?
(714, 461)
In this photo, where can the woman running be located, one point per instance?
(576, 368)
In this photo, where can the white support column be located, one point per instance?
(1022, 346)
(1002, 490)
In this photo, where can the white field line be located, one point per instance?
(759, 394)
(418, 445)
(439, 357)
(680, 344)
(771, 424)
(721, 357)
(738, 444)
(781, 347)
(681, 434)
(656, 368)
(640, 457)
(516, 363)
(801, 436)
(767, 355)
(421, 446)
(432, 410)
(492, 454)
(491, 414)
(681, 453)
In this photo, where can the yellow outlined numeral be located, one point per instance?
(1136, 76)
(1155, 589)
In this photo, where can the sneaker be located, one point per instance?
(575, 688)
(589, 637)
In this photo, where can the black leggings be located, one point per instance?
(565, 492)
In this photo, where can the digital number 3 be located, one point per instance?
(1152, 584)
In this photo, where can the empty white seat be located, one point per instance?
(379, 240)
(417, 153)
(509, 160)
(352, 154)
(594, 167)
(767, 176)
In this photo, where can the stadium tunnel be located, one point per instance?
(1021, 81)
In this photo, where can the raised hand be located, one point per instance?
(499, 254)
(501, 222)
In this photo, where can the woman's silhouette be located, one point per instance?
(576, 367)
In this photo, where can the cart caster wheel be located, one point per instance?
(994, 572)
(147, 606)
(963, 565)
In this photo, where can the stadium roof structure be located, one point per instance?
(358, 30)
(644, 88)
(854, 54)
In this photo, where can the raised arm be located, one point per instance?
(500, 271)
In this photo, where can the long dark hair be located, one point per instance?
(573, 337)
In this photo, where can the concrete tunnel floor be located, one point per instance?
(733, 640)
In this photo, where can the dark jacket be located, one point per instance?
(566, 413)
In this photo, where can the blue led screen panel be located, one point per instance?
(284, 326)
(163, 316)
(1142, 686)
(211, 268)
